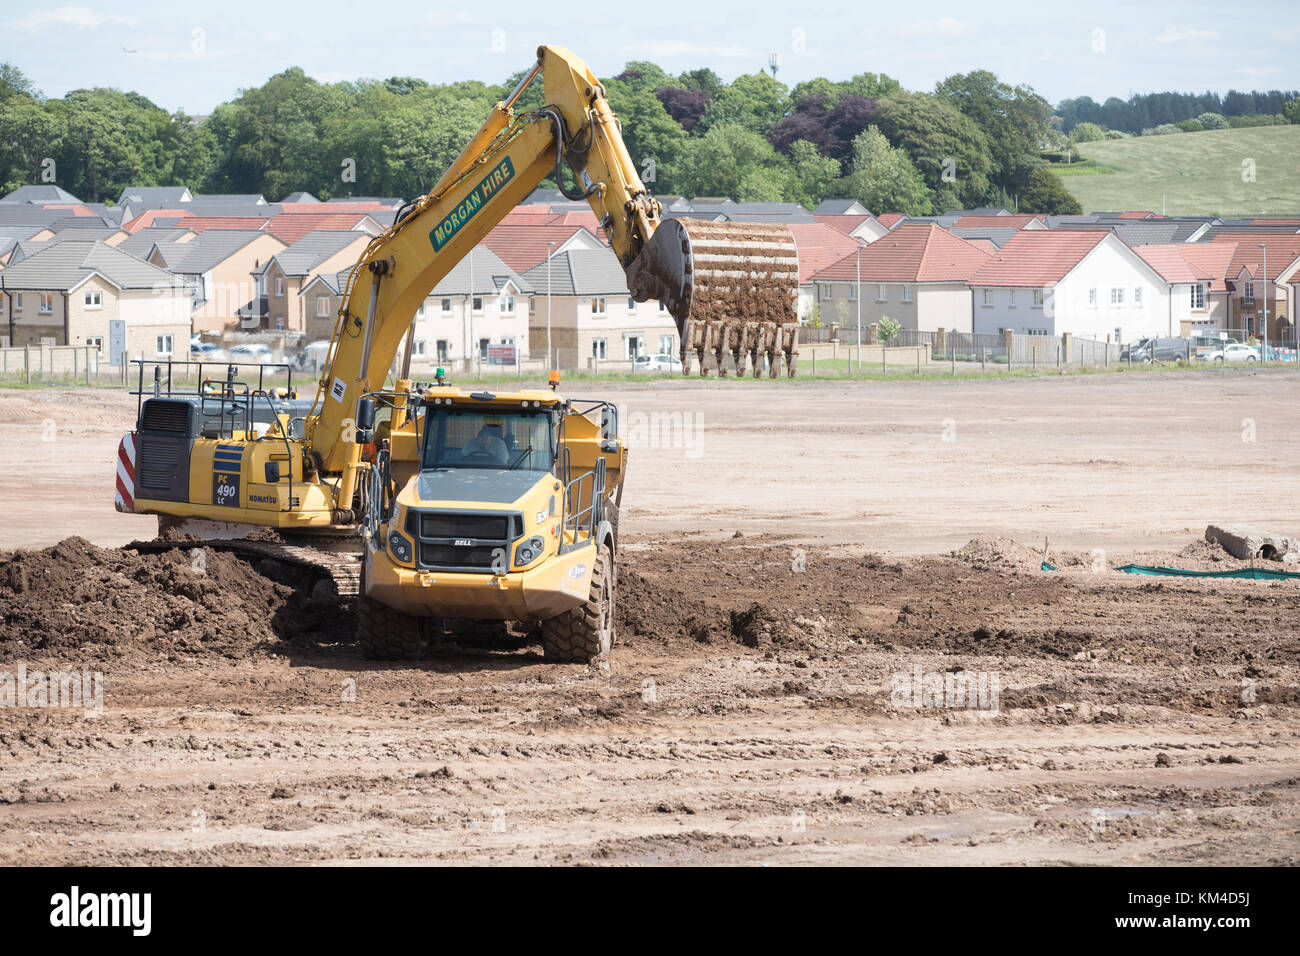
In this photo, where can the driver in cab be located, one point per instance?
(488, 445)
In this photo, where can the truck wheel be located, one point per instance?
(585, 633)
(387, 634)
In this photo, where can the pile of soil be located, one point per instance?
(991, 553)
(116, 603)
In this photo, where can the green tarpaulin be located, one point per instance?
(1254, 574)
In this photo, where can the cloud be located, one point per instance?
(1179, 34)
(666, 48)
(83, 18)
(948, 27)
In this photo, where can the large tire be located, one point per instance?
(586, 633)
(387, 634)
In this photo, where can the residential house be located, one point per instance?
(39, 195)
(1252, 291)
(1208, 297)
(523, 246)
(281, 278)
(591, 315)
(155, 195)
(86, 292)
(292, 226)
(817, 245)
(862, 226)
(1087, 283)
(916, 275)
(217, 267)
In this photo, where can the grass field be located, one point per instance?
(1193, 173)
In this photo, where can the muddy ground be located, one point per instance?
(751, 713)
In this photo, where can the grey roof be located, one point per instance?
(1132, 232)
(252, 199)
(24, 214)
(840, 207)
(162, 196)
(143, 241)
(312, 249)
(543, 196)
(1229, 228)
(490, 275)
(65, 265)
(390, 202)
(86, 225)
(1087, 219)
(7, 244)
(998, 237)
(40, 194)
(208, 249)
(580, 272)
(299, 197)
(16, 231)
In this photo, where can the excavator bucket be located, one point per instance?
(732, 288)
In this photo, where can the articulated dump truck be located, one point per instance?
(463, 505)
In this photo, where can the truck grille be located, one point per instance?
(452, 541)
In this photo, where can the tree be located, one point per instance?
(813, 177)
(889, 328)
(29, 133)
(948, 149)
(883, 178)
(14, 84)
(1290, 109)
(1045, 193)
(1012, 118)
(1087, 133)
(730, 160)
(1217, 120)
(655, 141)
(684, 104)
(755, 101)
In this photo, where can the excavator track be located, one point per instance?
(732, 288)
(343, 568)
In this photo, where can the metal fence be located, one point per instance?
(35, 363)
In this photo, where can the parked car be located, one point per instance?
(1234, 352)
(201, 351)
(313, 357)
(657, 363)
(1161, 350)
(251, 352)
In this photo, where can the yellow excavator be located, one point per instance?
(468, 504)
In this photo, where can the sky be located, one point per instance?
(194, 56)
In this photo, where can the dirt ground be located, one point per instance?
(789, 575)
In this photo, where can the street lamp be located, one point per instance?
(549, 247)
(1263, 355)
(859, 257)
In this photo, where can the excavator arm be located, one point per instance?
(729, 287)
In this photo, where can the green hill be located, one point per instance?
(1192, 173)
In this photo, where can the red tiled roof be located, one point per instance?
(147, 218)
(919, 252)
(522, 246)
(1282, 251)
(819, 246)
(321, 208)
(1167, 259)
(289, 227)
(996, 222)
(1138, 214)
(1209, 261)
(844, 223)
(887, 219)
(1038, 257)
(76, 210)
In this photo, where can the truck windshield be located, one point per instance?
(516, 438)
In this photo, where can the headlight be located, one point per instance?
(399, 546)
(529, 551)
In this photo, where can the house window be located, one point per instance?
(1248, 291)
(98, 342)
(823, 290)
(598, 350)
(419, 347)
(631, 304)
(1092, 298)
(477, 307)
(94, 300)
(853, 293)
(1198, 297)
(48, 341)
(882, 294)
(442, 350)
(1011, 299)
(1038, 298)
(47, 303)
(1137, 296)
(532, 305)
(323, 307)
(907, 293)
(1116, 297)
(446, 306)
(279, 286)
(164, 343)
(598, 306)
(18, 301)
(988, 297)
(633, 347)
(665, 345)
(483, 349)
(506, 304)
